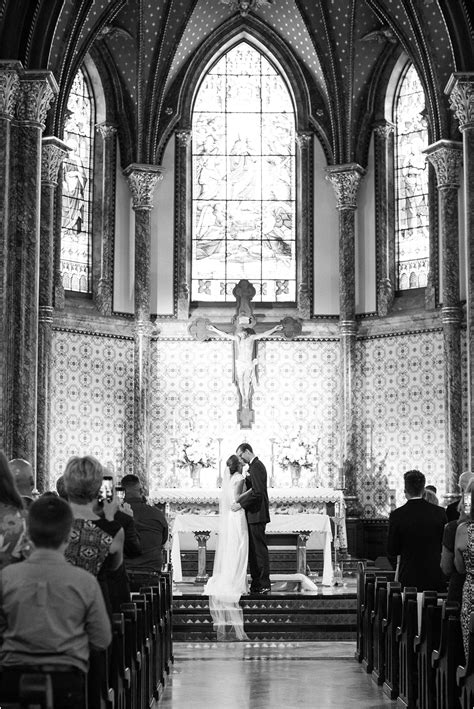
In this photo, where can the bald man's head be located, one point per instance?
(23, 474)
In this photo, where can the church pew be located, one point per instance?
(465, 673)
(134, 655)
(449, 655)
(389, 629)
(153, 593)
(426, 641)
(167, 611)
(360, 601)
(144, 619)
(366, 622)
(99, 690)
(378, 645)
(35, 691)
(120, 673)
(406, 632)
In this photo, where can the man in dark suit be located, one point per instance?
(415, 533)
(255, 503)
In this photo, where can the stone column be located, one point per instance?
(104, 219)
(304, 225)
(142, 180)
(346, 179)
(37, 90)
(446, 158)
(9, 92)
(183, 221)
(53, 153)
(384, 215)
(460, 90)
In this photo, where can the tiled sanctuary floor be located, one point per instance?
(251, 675)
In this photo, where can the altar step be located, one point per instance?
(281, 562)
(277, 618)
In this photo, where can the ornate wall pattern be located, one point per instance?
(91, 397)
(399, 395)
(400, 400)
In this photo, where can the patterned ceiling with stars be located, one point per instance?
(343, 48)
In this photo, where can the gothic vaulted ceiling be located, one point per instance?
(144, 48)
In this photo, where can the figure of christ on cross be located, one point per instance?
(245, 360)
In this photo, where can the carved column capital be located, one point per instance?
(184, 136)
(460, 91)
(384, 129)
(53, 152)
(9, 87)
(346, 180)
(37, 91)
(106, 130)
(446, 156)
(304, 139)
(348, 328)
(142, 180)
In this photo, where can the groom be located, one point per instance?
(255, 503)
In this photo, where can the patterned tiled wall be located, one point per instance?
(399, 394)
(400, 422)
(91, 396)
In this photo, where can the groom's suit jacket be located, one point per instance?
(255, 500)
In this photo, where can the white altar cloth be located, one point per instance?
(275, 494)
(280, 524)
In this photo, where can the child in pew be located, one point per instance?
(50, 611)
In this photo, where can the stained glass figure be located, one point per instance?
(412, 217)
(76, 246)
(243, 180)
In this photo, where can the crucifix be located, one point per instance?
(245, 339)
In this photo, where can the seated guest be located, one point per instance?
(415, 531)
(61, 487)
(13, 541)
(456, 579)
(24, 479)
(452, 511)
(152, 527)
(96, 543)
(430, 496)
(51, 613)
(464, 562)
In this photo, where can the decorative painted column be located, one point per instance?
(37, 91)
(142, 180)
(384, 215)
(104, 219)
(53, 153)
(460, 89)
(446, 158)
(9, 91)
(346, 179)
(183, 222)
(304, 225)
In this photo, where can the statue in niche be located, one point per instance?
(245, 339)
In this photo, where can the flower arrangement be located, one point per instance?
(296, 452)
(196, 452)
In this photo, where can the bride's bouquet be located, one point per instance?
(194, 452)
(296, 452)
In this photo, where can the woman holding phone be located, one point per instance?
(464, 562)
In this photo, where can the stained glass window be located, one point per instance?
(243, 180)
(411, 173)
(76, 237)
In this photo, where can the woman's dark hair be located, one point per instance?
(233, 463)
(9, 494)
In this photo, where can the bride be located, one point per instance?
(229, 579)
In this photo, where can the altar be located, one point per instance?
(303, 526)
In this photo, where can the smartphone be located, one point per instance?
(106, 491)
(120, 492)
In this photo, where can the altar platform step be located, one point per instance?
(329, 614)
(281, 561)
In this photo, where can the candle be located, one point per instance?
(174, 423)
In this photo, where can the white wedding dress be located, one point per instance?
(229, 579)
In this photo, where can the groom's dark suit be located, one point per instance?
(255, 504)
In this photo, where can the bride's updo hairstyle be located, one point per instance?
(233, 463)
